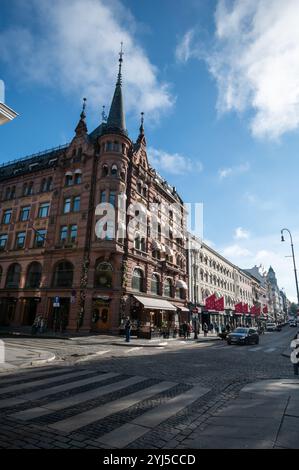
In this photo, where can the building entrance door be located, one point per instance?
(58, 318)
(7, 311)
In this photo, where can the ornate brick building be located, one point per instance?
(52, 262)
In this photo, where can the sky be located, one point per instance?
(218, 81)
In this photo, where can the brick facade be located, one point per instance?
(92, 277)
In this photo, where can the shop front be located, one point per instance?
(152, 316)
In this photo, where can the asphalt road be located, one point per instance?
(99, 395)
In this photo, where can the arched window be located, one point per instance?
(168, 288)
(13, 276)
(7, 193)
(105, 170)
(155, 284)
(34, 275)
(137, 280)
(63, 274)
(103, 275)
(114, 170)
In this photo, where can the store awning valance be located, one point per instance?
(152, 303)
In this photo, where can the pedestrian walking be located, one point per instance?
(185, 329)
(205, 329)
(216, 328)
(189, 330)
(41, 325)
(128, 327)
(211, 328)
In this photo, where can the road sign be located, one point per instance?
(56, 302)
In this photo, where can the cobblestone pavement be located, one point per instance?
(143, 397)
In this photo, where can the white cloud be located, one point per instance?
(256, 63)
(241, 234)
(172, 163)
(236, 251)
(233, 171)
(74, 46)
(184, 50)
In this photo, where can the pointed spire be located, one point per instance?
(81, 128)
(141, 128)
(116, 119)
(141, 137)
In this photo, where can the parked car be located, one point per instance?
(293, 323)
(271, 327)
(243, 336)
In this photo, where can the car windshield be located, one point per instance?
(241, 330)
(270, 324)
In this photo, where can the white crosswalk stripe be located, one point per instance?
(69, 412)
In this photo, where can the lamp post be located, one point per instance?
(293, 255)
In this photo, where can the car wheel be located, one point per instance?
(229, 343)
(257, 341)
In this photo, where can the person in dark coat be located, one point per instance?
(128, 326)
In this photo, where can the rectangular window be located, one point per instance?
(7, 216)
(112, 197)
(44, 209)
(20, 240)
(74, 233)
(63, 233)
(24, 214)
(40, 238)
(78, 178)
(103, 197)
(76, 204)
(3, 241)
(67, 206)
(68, 180)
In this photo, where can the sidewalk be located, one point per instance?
(18, 357)
(264, 416)
(105, 339)
(155, 342)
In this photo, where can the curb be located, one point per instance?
(43, 361)
(8, 334)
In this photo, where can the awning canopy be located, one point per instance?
(184, 309)
(152, 303)
(181, 284)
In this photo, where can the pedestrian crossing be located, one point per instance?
(250, 348)
(115, 409)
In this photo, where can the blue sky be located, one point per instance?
(218, 82)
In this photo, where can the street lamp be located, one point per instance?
(293, 255)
